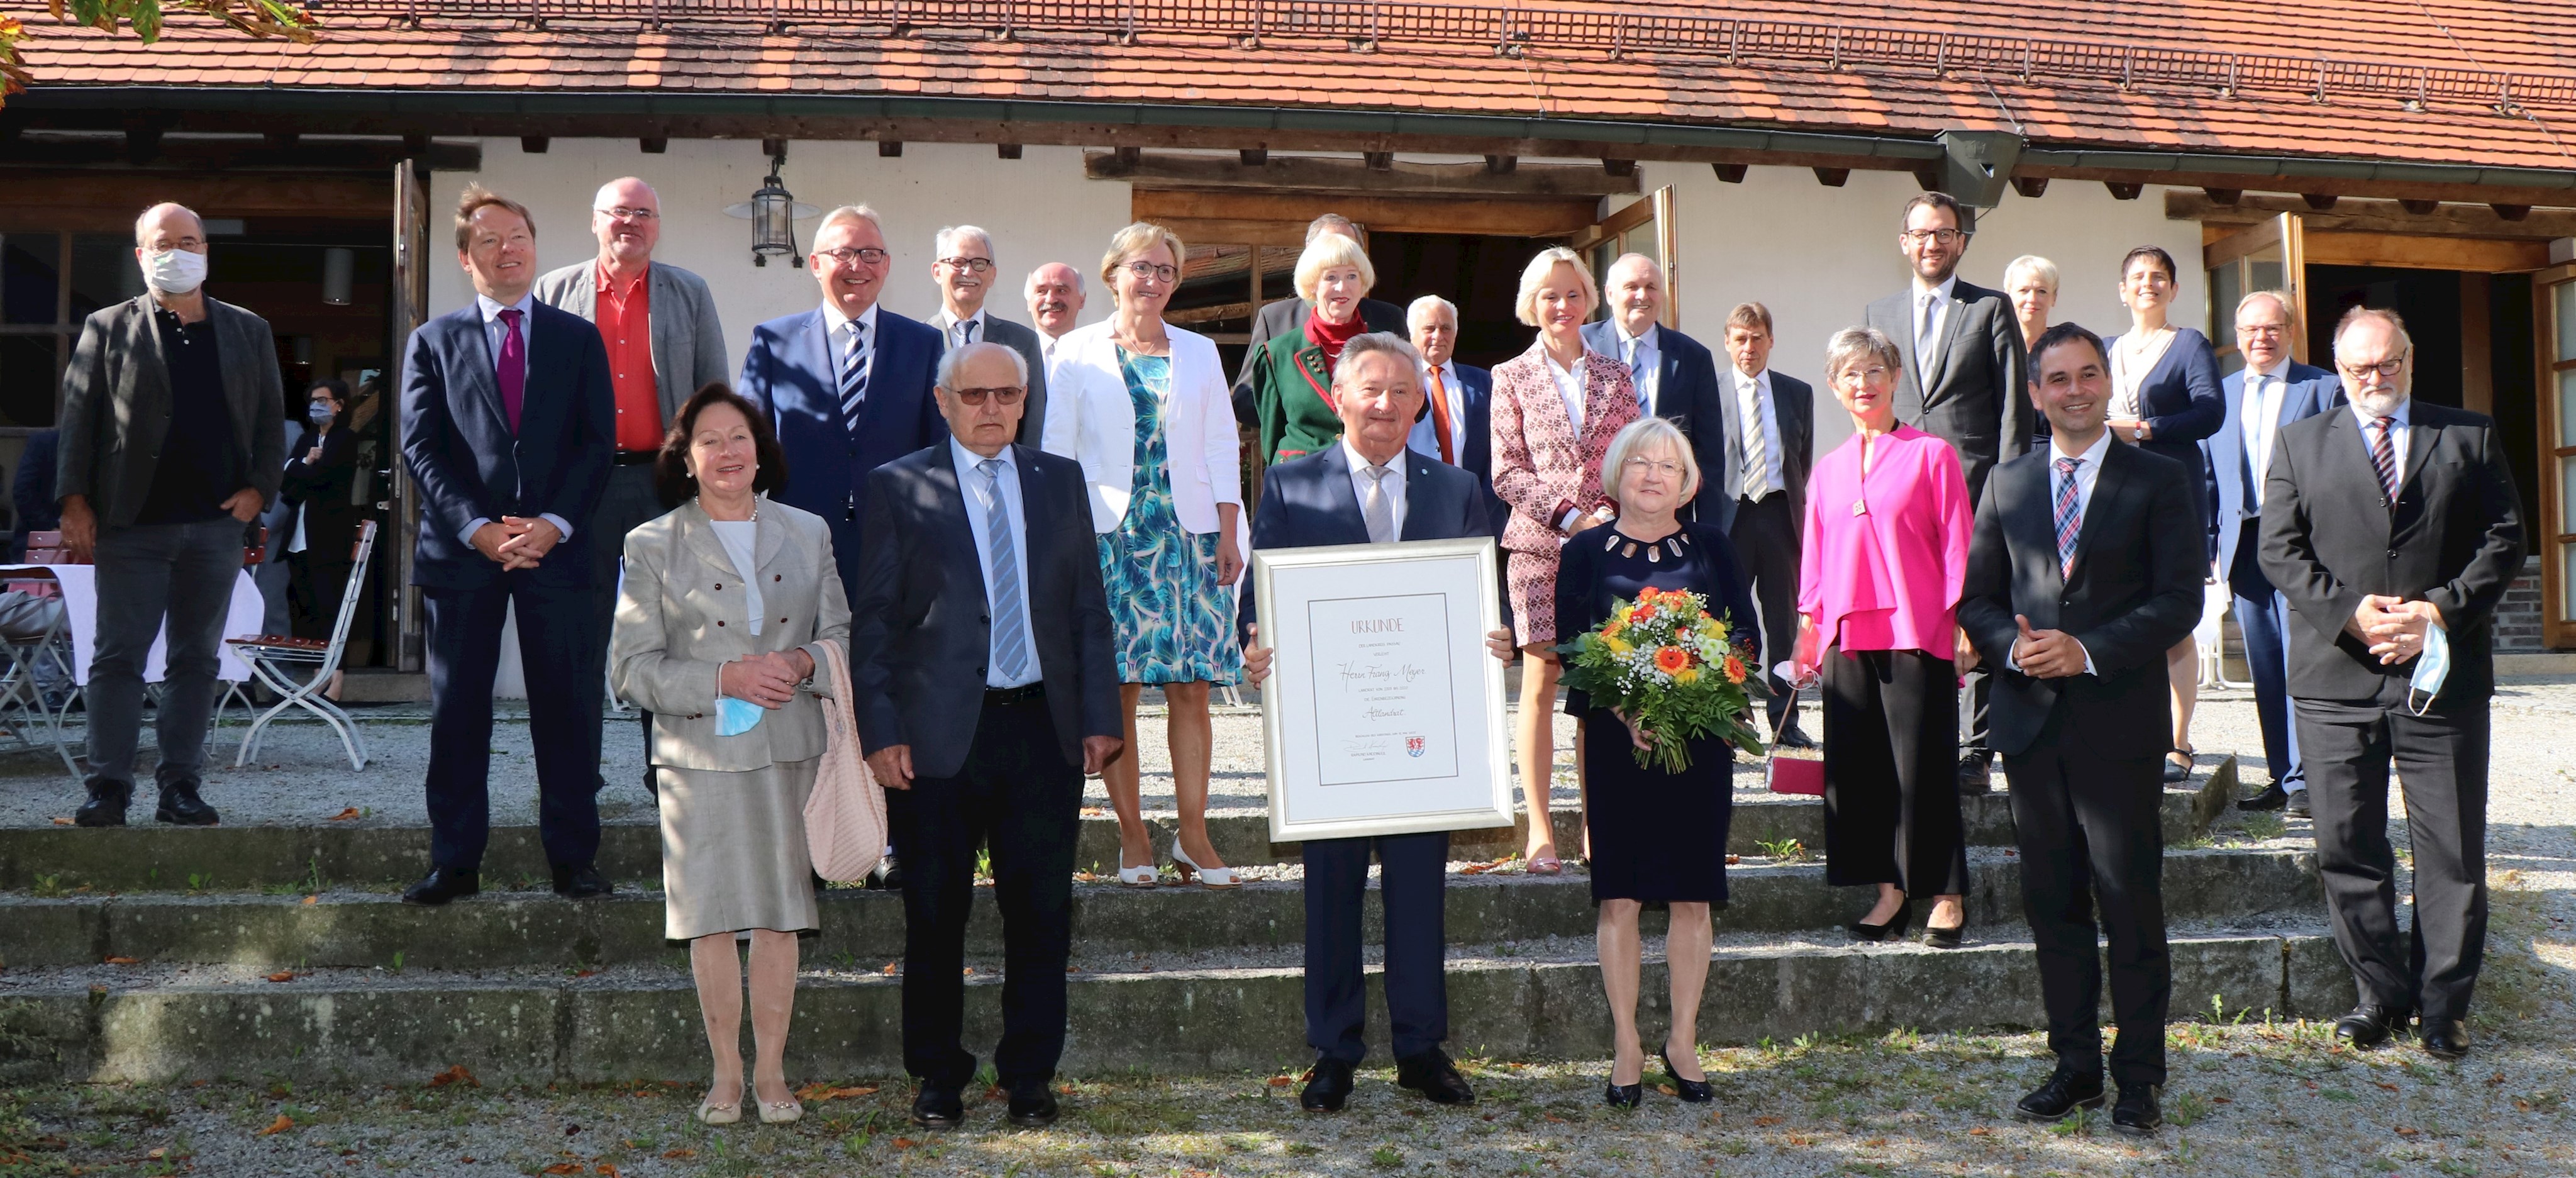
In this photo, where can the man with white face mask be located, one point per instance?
(173, 438)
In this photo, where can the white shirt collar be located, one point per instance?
(2091, 457)
(834, 320)
(967, 459)
(2403, 417)
(1943, 289)
(977, 319)
(2279, 372)
(1394, 466)
(1649, 340)
(1759, 380)
(491, 310)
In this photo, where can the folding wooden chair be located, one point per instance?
(28, 721)
(297, 669)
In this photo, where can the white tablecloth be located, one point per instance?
(80, 607)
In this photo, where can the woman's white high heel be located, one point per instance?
(1214, 877)
(1139, 877)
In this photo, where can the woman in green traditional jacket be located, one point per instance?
(1292, 385)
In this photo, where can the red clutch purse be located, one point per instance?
(1795, 775)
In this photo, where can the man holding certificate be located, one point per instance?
(1370, 489)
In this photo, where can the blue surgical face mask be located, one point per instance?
(319, 414)
(2431, 668)
(736, 716)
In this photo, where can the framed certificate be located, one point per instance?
(1383, 713)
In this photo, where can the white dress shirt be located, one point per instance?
(979, 503)
(2087, 476)
(1633, 349)
(494, 333)
(1569, 387)
(1423, 438)
(836, 327)
(956, 340)
(1930, 320)
(1754, 403)
(1393, 487)
(2262, 396)
(2401, 431)
(741, 540)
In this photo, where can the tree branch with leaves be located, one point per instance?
(256, 18)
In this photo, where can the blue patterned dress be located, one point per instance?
(1173, 622)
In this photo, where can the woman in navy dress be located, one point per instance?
(1657, 837)
(2165, 398)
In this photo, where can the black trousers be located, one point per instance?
(558, 660)
(1016, 797)
(2441, 760)
(1766, 546)
(1892, 773)
(1412, 869)
(627, 501)
(2090, 836)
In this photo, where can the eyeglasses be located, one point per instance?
(969, 265)
(2266, 329)
(191, 244)
(848, 256)
(1158, 273)
(2387, 369)
(1004, 395)
(623, 213)
(1670, 470)
(1861, 375)
(1944, 236)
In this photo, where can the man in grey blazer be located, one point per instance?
(664, 344)
(1760, 495)
(173, 438)
(962, 265)
(1962, 383)
(1288, 317)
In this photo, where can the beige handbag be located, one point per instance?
(845, 816)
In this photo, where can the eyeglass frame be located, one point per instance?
(2387, 369)
(970, 265)
(850, 255)
(1005, 394)
(629, 213)
(1946, 235)
(1154, 270)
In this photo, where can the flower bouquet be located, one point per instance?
(1671, 669)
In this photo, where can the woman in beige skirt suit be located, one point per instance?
(725, 605)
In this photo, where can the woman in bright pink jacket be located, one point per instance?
(1883, 559)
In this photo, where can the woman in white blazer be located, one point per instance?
(1146, 408)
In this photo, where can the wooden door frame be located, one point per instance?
(2557, 622)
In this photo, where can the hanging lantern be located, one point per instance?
(772, 212)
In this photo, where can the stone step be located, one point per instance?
(367, 1026)
(153, 857)
(531, 929)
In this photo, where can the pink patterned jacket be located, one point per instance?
(1541, 467)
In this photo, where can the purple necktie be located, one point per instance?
(514, 366)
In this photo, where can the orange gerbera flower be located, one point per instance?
(1734, 669)
(1669, 659)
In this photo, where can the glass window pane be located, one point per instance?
(2263, 269)
(2565, 295)
(103, 272)
(2567, 407)
(2226, 285)
(29, 375)
(30, 277)
(2567, 581)
(2566, 499)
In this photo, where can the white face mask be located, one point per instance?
(173, 271)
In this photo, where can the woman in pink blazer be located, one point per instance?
(1555, 408)
(1881, 566)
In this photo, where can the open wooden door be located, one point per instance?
(1644, 227)
(410, 310)
(2268, 256)
(2553, 304)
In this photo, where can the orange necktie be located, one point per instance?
(1440, 416)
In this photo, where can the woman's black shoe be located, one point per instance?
(1894, 929)
(1945, 938)
(1691, 1091)
(1624, 1095)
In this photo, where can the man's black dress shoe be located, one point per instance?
(1792, 737)
(1691, 1091)
(106, 804)
(2444, 1038)
(2369, 1025)
(2298, 804)
(581, 882)
(2136, 1113)
(2066, 1091)
(2273, 797)
(888, 876)
(938, 1107)
(1328, 1084)
(180, 805)
(1033, 1106)
(441, 885)
(1432, 1075)
(1976, 774)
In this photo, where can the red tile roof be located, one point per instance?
(2487, 83)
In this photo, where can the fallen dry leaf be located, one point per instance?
(312, 899)
(1732, 860)
(1800, 1139)
(280, 1125)
(888, 970)
(679, 1154)
(2385, 1084)
(1767, 1122)
(1981, 1131)
(345, 815)
(1280, 1081)
(1876, 1143)
(905, 1143)
(123, 960)
(2403, 1131)
(283, 975)
(156, 1155)
(562, 1168)
(65, 822)
(605, 1168)
(2220, 1100)
(455, 1074)
(818, 1092)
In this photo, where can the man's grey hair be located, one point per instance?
(1374, 343)
(947, 239)
(2359, 315)
(1425, 305)
(144, 219)
(850, 213)
(1030, 287)
(2277, 298)
(1853, 344)
(953, 357)
(1331, 223)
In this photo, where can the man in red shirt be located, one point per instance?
(664, 344)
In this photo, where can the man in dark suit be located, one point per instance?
(1760, 494)
(172, 440)
(2393, 529)
(1288, 317)
(1319, 500)
(1675, 375)
(2282, 391)
(508, 424)
(1457, 418)
(1962, 382)
(964, 270)
(985, 690)
(2084, 568)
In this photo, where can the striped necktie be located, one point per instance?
(1010, 621)
(2383, 454)
(854, 375)
(2070, 515)
(1757, 447)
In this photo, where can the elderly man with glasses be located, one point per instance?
(962, 266)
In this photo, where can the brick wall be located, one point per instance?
(2517, 623)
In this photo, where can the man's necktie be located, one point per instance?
(513, 368)
(2383, 454)
(854, 376)
(1637, 374)
(1440, 416)
(2070, 515)
(1379, 510)
(1757, 448)
(1923, 341)
(965, 332)
(1010, 621)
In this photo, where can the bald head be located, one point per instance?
(1634, 290)
(1055, 298)
(170, 245)
(626, 217)
(166, 225)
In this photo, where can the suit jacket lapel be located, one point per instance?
(2034, 518)
(2421, 437)
(951, 497)
(1417, 495)
(144, 341)
(1954, 320)
(2109, 484)
(768, 540)
(478, 368)
(1339, 492)
(827, 369)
